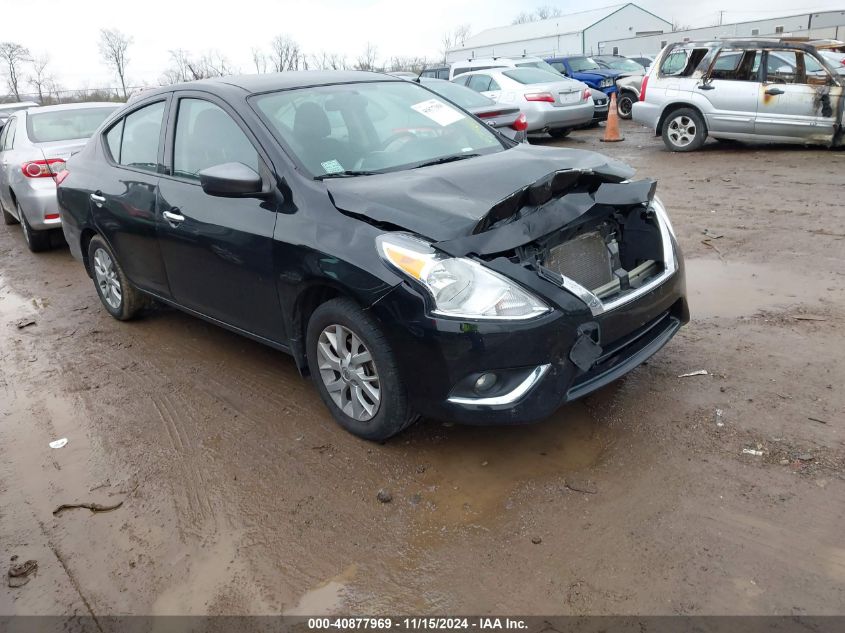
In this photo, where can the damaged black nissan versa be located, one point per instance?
(410, 258)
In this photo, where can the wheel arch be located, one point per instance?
(84, 240)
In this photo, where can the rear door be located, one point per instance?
(797, 99)
(124, 206)
(6, 137)
(732, 87)
(218, 251)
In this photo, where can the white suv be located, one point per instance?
(776, 91)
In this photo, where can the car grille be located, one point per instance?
(585, 260)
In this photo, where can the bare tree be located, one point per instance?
(544, 12)
(461, 34)
(367, 59)
(408, 64)
(113, 47)
(454, 39)
(40, 79)
(13, 56)
(259, 58)
(285, 54)
(185, 67)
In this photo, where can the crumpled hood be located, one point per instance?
(443, 202)
(597, 75)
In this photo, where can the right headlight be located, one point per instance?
(459, 287)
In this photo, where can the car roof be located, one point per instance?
(18, 105)
(772, 44)
(270, 82)
(74, 106)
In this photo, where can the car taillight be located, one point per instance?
(548, 97)
(489, 115)
(588, 94)
(521, 123)
(60, 177)
(642, 90)
(43, 168)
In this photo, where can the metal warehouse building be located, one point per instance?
(581, 32)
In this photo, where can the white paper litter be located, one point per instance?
(58, 443)
(700, 372)
(751, 451)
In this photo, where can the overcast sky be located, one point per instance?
(68, 31)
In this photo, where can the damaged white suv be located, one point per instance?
(760, 90)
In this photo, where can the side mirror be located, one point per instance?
(231, 180)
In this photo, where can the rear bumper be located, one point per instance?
(645, 113)
(37, 199)
(552, 118)
(440, 359)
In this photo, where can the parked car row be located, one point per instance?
(411, 258)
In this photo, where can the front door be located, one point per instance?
(7, 137)
(798, 98)
(217, 251)
(731, 87)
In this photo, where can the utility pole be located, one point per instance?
(721, 16)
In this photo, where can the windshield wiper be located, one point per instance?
(347, 174)
(446, 159)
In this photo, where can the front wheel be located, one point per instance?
(625, 105)
(561, 133)
(122, 300)
(355, 372)
(684, 131)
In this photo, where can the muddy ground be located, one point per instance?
(241, 496)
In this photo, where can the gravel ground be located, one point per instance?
(241, 496)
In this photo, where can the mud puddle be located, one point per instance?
(326, 598)
(734, 289)
(12, 305)
(468, 474)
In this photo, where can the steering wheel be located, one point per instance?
(393, 138)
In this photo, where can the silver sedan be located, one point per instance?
(34, 146)
(551, 103)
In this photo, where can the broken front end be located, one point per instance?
(598, 252)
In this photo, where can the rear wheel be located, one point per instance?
(355, 372)
(122, 300)
(561, 133)
(684, 130)
(625, 105)
(8, 218)
(36, 241)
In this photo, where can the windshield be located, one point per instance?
(625, 64)
(65, 125)
(539, 64)
(580, 64)
(464, 97)
(372, 127)
(529, 76)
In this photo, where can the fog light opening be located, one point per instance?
(485, 382)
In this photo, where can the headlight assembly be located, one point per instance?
(459, 287)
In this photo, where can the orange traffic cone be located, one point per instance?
(611, 128)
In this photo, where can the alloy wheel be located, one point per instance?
(625, 106)
(349, 373)
(682, 131)
(107, 281)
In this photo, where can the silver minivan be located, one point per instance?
(745, 90)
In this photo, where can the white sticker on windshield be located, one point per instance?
(438, 112)
(332, 167)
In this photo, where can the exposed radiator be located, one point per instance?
(585, 259)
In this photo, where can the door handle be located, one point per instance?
(173, 216)
(97, 199)
(774, 91)
(706, 87)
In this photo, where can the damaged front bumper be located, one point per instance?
(588, 340)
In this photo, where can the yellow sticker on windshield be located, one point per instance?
(438, 112)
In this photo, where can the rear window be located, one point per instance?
(581, 64)
(682, 62)
(65, 125)
(529, 76)
(464, 97)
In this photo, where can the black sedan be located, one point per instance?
(410, 258)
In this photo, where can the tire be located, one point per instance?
(625, 105)
(123, 301)
(684, 130)
(560, 133)
(371, 418)
(36, 241)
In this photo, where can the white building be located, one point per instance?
(572, 34)
(819, 25)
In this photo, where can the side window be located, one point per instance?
(461, 81)
(3, 131)
(560, 67)
(479, 83)
(9, 140)
(736, 65)
(113, 137)
(674, 63)
(460, 71)
(493, 85)
(782, 68)
(206, 136)
(141, 132)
